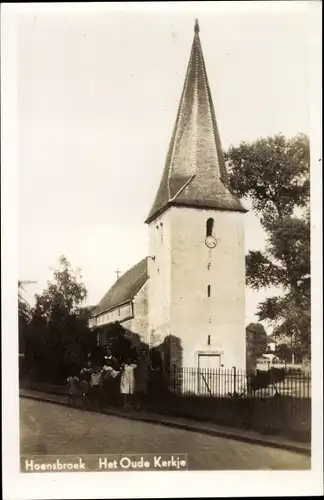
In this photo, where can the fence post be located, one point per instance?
(234, 379)
(174, 379)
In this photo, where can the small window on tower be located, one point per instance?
(208, 340)
(161, 232)
(209, 227)
(208, 291)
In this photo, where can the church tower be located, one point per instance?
(196, 290)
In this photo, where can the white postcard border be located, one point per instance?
(152, 484)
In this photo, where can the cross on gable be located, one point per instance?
(117, 273)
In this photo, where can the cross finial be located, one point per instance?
(117, 273)
(197, 26)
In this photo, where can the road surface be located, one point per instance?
(51, 429)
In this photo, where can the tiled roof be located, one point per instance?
(125, 288)
(195, 172)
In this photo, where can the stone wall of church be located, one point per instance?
(139, 323)
(119, 313)
(196, 295)
(159, 269)
(208, 287)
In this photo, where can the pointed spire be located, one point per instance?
(195, 172)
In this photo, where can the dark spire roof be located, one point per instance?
(195, 172)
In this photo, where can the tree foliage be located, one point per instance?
(24, 314)
(283, 351)
(24, 309)
(274, 174)
(58, 337)
(256, 344)
(63, 295)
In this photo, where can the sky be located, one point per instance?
(98, 93)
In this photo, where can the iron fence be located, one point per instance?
(234, 383)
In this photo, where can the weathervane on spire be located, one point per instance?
(196, 26)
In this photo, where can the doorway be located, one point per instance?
(208, 364)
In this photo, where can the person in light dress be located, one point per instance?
(127, 382)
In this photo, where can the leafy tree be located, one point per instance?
(274, 174)
(256, 344)
(64, 295)
(58, 334)
(24, 309)
(24, 314)
(290, 353)
(283, 351)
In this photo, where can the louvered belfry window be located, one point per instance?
(209, 227)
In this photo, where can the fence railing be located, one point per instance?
(288, 367)
(238, 383)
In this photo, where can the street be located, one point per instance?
(53, 429)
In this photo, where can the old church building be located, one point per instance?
(188, 295)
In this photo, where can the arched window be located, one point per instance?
(209, 227)
(208, 291)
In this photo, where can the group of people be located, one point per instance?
(97, 384)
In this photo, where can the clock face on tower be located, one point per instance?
(211, 242)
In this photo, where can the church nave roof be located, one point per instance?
(125, 288)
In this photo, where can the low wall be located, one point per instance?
(278, 415)
(284, 415)
(43, 387)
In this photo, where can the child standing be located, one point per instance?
(85, 376)
(95, 385)
(73, 389)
